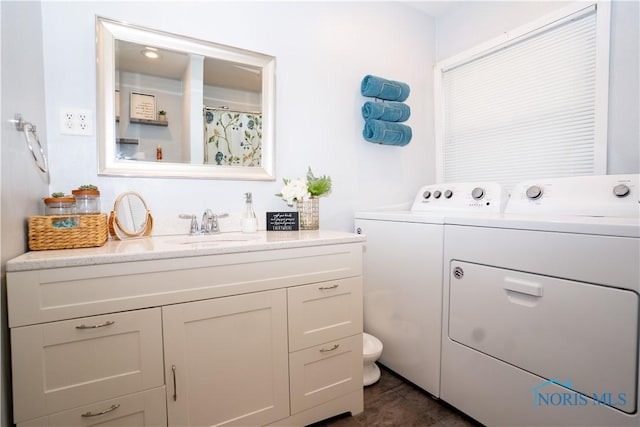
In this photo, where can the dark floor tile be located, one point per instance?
(456, 420)
(344, 420)
(424, 402)
(388, 382)
(392, 409)
(395, 402)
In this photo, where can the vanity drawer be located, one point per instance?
(325, 372)
(63, 365)
(147, 408)
(325, 311)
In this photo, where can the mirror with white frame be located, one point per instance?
(219, 105)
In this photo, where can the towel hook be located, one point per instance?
(28, 128)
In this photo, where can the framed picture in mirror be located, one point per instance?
(143, 107)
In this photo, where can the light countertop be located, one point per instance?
(178, 246)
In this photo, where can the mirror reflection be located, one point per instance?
(183, 107)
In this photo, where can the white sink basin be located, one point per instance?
(212, 239)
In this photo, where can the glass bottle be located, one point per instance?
(249, 220)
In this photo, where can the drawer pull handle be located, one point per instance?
(175, 388)
(106, 411)
(101, 325)
(325, 288)
(325, 350)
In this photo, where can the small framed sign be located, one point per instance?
(142, 106)
(282, 221)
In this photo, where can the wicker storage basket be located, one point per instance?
(89, 231)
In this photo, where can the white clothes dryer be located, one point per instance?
(540, 306)
(403, 275)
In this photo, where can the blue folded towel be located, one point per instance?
(389, 111)
(389, 90)
(389, 133)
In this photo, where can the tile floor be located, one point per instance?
(394, 402)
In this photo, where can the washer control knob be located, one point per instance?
(448, 194)
(477, 193)
(534, 192)
(426, 194)
(621, 190)
(437, 194)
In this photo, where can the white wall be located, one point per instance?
(21, 185)
(624, 90)
(470, 23)
(322, 50)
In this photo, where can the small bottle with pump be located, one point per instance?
(249, 220)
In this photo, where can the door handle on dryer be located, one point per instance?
(523, 286)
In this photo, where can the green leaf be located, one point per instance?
(87, 187)
(318, 186)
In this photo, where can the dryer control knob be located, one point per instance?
(437, 194)
(448, 194)
(477, 193)
(621, 190)
(534, 192)
(426, 194)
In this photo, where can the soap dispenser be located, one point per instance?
(249, 220)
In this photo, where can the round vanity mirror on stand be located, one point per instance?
(130, 217)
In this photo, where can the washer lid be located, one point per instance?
(402, 216)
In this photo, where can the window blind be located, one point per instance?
(526, 109)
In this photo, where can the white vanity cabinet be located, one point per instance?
(258, 335)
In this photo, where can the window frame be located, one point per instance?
(603, 34)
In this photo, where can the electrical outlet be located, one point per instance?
(76, 121)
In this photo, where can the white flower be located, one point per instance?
(295, 190)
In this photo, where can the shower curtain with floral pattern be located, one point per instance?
(232, 138)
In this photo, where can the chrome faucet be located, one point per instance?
(208, 225)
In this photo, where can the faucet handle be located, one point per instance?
(193, 227)
(215, 225)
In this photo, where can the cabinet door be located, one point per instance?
(325, 311)
(226, 360)
(63, 365)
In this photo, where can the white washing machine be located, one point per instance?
(540, 306)
(403, 275)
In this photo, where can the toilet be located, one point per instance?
(371, 351)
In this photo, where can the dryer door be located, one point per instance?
(581, 335)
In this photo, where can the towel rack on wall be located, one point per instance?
(40, 158)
